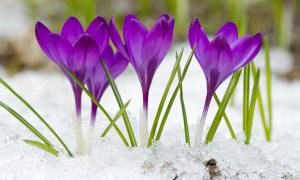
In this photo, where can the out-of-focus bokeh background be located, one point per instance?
(279, 20)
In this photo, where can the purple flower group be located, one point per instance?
(81, 51)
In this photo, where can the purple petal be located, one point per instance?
(217, 64)
(253, 50)
(60, 48)
(198, 37)
(153, 43)
(96, 81)
(245, 49)
(116, 39)
(126, 25)
(108, 56)
(134, 37)
(229, 31)
(119, 65)
(42, 33)
(72, 30)
(168, 39)
(98, 29)
(85, 54)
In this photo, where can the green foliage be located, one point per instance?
(164, 97)
(120, 103)
(184, 116)
(226, 118)
(217, 119)
(252, 107)
(37, 115)
(42, 146)
(170, 104)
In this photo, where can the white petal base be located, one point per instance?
(78, 134)
(199, 131)
(143, 127)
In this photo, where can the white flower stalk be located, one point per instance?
(78, 134)
(89, 140)
(143, 127)
(199, 131)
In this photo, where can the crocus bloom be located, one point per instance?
(79, 51)
(145, 50)
(220, 57)
(98, 82)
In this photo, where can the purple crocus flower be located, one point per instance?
(98, 82)
(145, 50)
(220, 57)
(79, 51)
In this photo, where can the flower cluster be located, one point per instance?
(81, 52)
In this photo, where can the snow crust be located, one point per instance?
(170, 158)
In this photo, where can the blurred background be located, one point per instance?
(279, 20)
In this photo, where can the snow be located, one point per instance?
(14, 19)
(171, 158)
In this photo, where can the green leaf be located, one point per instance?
(123, 109)
(226, 118)
(246, 96)
(217, 119)
(184, 116)
(163, 99)
(26, 123)
(252, 107)
(269, 85)
(37, 114)
(170, 104)
(261, 106)
(96, 102)
(120, 103)
(42, 146)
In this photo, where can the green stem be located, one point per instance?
(26, 123)
(269, 85)
(163, 99)
(217, 119)
(261, 106)
(121, 104)
(246, 97)
(38, 115)
(184, 116)
(225, 118)
(170, 104)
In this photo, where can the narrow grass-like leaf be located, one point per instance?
(217, 119)
(170, 104)
(96, 102)
(120, 103)
(163, 99)
(37, 114)
(252, 106)
(184, 116)
(115, 118)
(246, 96)
(226, 118)
(261, 106)
(269, 84)
(42, 146)
(26, 123)
(232, 99)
